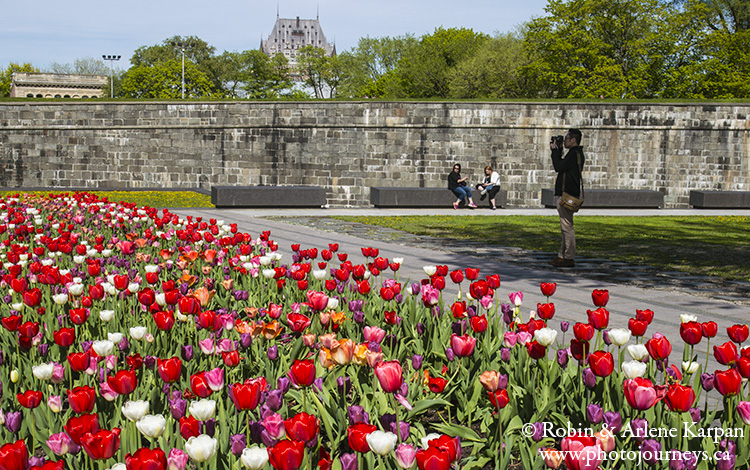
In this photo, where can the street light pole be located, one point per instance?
(111, 59)
(182, 45)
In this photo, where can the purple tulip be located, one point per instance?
(650, 449)
(357, 414)
(358, 317)
(613, 420)
(605, 337)
(725, 460)
(594, 413)
(471, 311)
(538, 433)
(187, 352)
(416, 361)
(344, 385)
(695, 414)
(564, 325)
(283, 384)
(589, 379)
(449, 354)
(246, 339)
(404, 429)
(562, 358)
(124, 345)
(13, 421)
(86, 345)
(209, 427)
(416, 288)
(682, 460)
(273, 352)
(639, 426)
(505, 354)
(178, 407)
(42, 350)
(421, 328)
(707, 382)
(238, 443)
(149, 362)
(35, 461)
(728, 445)
(502, 382)
(349, 462)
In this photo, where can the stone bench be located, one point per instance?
(268, 196)
(613, 198)
(426, 197)
(720, 199)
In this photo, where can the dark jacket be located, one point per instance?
(568, 165)
(453, 178)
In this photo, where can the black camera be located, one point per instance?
(558, 139)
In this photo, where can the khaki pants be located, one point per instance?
(568, 243)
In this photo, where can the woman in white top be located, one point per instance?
(490, 186)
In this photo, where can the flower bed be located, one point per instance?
(134, 338)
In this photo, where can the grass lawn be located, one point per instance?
(141, 198)
(716, 246)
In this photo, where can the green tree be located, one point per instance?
(493, 72)
(597, 48)
(319, 71)
(6, 76)
(425, 70)
(366, 68)
(253, 74)
(163, 80)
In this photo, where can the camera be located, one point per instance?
(558, 139)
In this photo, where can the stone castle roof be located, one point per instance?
(291, 34)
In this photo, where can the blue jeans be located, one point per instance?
(461, 192)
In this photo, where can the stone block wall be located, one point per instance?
(348, 147)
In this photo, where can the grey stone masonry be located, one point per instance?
(349, 147)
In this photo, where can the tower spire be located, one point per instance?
(277, 10)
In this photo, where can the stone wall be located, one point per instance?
(347, 147)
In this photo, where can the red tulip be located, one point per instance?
(433, 458)
(436, 384)
(146, 297)
(28, 329)
(187, 305)
(246, 396)
(691, 332)
(709, 328)
(602, 364)
(548, 288)
(357, 436)
(64, 337)
(302, 373)
(457, 276)
(600, 297)
(96, 291)
(641, 393)
(598, 318)
(189, 427)
(389, 375)
(536, 350)
(134, 361)
(230, 358)
(164, 320)
(318, 301)
(169, 369)
(121, 281)
(146, 459)
(458, 309)
(123, 382)
(545, 311)
(391, 318)
(79, 315)
(637, 327)
(645, 315)
(472, 274)
(363, 287)
(14, 456)
(583, 331)
(493, 281)
(479, 323)
(286, 455)
(659, 347)
(302, 427)
(29, 399)
(499, 398)
(679, 398)
(738, 333)
(12, 322)
(82, 399)
(448, 444)
(478, 289)
(199, 385)
(463, 346)
(32, 297)
(579, 349)
(728, 382)
(438, 282)
(77, 426)
(726, 354)
(298, 322)
(102, 444)
(743, 366)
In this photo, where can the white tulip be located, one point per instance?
(78, 259)
(638, 352)
(135, 410)
(201, 448)
(151, 268)
(382, 443)
(545, 336)
(118, 466)
(60, 299)
(333, 302)
(690, 367)
(254, 458)
(275, 255)
(115, 337)
(161, 299)
(103, 347)
(426, 440)
(43, 371)
(17, 306)
(106, 253)
(265, 260)
(619, 336)
(203, 410)
(633, 369)
(138, 332)
(152, 426)
(106, 315)
(133, 287)
(319, 274)
(269, 273)
(687, 318)
(429, 270)
(398, 261)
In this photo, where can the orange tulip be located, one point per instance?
(203, 295)
(272, 330)
(342, 352)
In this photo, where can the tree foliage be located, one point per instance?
(319, 71)
(163, 80)
(367, 67)
(6, 76)
(83, 66)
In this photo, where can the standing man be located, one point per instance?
(568, 170)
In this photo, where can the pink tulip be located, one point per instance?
(58, 373)
(177, 459)
(274, 426)
(61, 444)
(207, 345)
(582, 452)
(215, 379)
(743, 410)
(317, 301)
(516, 298)
(406, 455)
(107, 392)
(430, 295)
(463, 346)
(389, 375)
(509, 339)
(373, 334)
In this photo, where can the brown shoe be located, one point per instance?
(563, 263)
(555, 261)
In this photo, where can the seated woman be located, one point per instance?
(459, 187)
(491, 186)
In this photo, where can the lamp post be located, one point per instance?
(182, 45)
(111, 59)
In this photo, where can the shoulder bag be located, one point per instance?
(569, 202)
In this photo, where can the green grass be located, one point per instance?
(715, 246)
(142, 198)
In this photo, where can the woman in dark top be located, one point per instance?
(459, 187)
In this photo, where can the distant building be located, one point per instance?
(289, 35)
(57, 85)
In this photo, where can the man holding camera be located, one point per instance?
(568, 180)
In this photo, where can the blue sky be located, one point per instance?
(46, 31)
